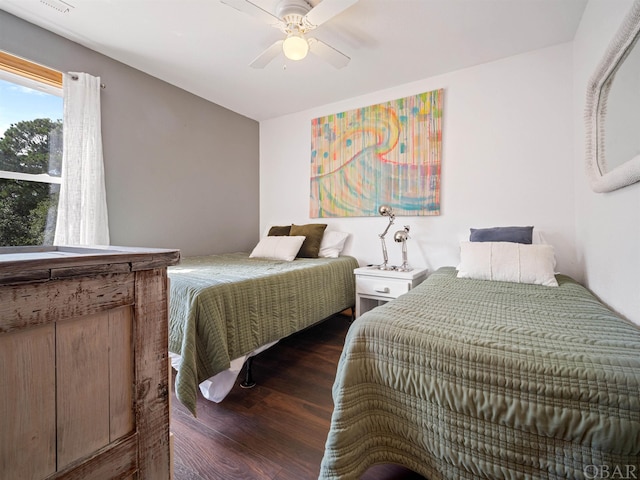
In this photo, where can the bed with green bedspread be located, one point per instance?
(472, 379)
(222, 307)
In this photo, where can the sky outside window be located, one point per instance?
(18, 103)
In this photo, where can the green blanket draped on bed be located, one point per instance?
(469, 379)
(222, 307)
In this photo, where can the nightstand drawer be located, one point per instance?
(382, 287)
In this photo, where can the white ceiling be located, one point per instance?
(204, 46)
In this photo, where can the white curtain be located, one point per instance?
(82, 209)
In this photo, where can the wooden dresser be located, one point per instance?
(84, 389)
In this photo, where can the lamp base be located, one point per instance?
(403, 268)
(384, 266)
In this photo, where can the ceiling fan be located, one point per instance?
(295, 18)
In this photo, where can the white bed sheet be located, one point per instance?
(216, 388)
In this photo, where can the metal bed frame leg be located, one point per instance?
(248, 381)
(248, 377)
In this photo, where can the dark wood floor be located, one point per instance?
(277, 430)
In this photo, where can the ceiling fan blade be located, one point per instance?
(326, 10)
(255, 11)
(328, 53)
(269, 54)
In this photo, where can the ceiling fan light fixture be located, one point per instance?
(295, 46)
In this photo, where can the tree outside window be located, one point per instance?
(30, 162)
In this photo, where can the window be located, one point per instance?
(30, 151)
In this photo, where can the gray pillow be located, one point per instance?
(502, 234)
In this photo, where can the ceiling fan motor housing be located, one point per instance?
(292, 13)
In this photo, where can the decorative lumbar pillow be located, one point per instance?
(332, 244)
(278, 248)
(502, 234)
(508, 262)
(279, 230)
(314, 233)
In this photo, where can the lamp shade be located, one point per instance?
(295, 46)
(401, 236)
(385, 210)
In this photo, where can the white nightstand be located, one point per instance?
(375, 287)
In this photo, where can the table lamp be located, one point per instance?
(385, 211)
(401, 236)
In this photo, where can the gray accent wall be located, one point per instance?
(181, 172)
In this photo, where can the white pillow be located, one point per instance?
(332, 244)
(538, 238)
(278, 248)
(508, 262)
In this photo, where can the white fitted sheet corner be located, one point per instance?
(217, 387)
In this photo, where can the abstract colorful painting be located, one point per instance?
(385, 154)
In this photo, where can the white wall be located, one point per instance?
(507, 160)
(607, 224)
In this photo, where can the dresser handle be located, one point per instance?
(382, 290)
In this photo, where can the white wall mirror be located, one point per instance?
(613, 111)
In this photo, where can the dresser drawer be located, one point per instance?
(382, 287)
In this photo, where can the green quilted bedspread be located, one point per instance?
(469, 379)
(224, 306)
